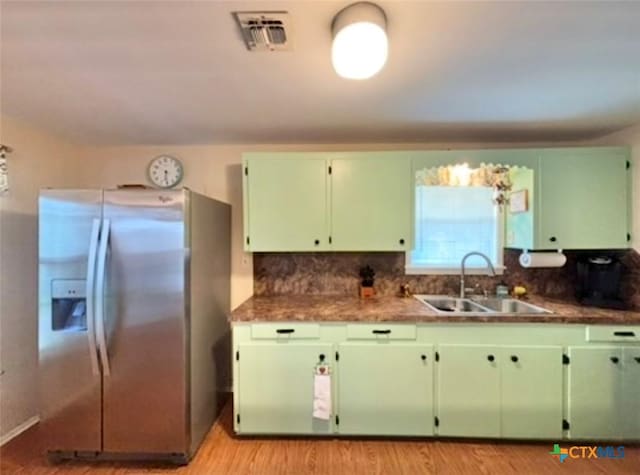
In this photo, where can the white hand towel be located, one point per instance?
(322, 396)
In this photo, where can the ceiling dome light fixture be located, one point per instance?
(360, 44)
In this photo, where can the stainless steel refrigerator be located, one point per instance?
(133, 335)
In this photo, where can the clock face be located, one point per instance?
(165, 171)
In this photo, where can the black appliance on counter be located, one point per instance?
(599, 282)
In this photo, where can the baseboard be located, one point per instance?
(16, 431)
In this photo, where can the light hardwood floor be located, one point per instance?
(222, 453)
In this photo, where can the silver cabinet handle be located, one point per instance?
(91, 275)
(100, 281)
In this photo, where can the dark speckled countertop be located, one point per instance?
(329, 308)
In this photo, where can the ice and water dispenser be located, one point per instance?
(68, 305)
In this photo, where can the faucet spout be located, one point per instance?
(462, 268)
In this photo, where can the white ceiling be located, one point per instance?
(153, 72)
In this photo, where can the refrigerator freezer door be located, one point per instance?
(70, 383)
(145, 394)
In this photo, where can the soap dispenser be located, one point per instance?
(502, 290)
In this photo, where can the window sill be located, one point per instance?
(416, 270)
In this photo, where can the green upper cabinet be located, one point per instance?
(578, 199)
(327, 201)
(584, 198)
(371, 203)
(285, 202)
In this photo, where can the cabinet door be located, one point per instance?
(468, 391)
(275, 385)
(594, 405)
(385, 389)
(371, 204)
(286, 204)
(631, 393)
(583, 199)
(531, 392)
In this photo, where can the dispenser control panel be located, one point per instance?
(68, 305)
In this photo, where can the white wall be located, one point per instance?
(38, 160)
(630, 136)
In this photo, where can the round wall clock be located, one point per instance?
(165, 171)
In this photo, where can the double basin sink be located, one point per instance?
(478, 306)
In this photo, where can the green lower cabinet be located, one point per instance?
(275, 385)
(595, 392)
(604, 392)
(391, 380)
(468, 391)
(500, 391)
(531, 393)
(385, 389)
(631, 393)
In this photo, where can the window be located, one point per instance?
(451, 221)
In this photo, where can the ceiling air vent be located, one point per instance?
(265, 31)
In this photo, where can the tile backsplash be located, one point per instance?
(336, 273)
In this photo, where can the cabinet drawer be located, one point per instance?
(379, 331)
(289, 331)
(613, 333)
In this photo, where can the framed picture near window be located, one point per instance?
(519, 201)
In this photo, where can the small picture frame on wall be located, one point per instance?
(519, 201)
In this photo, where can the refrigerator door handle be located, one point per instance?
(100, 281)
(90, 295)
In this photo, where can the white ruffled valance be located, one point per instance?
(490, 175)
(487, 174)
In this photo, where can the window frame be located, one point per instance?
(412, 269)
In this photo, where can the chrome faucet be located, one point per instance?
(464, 259)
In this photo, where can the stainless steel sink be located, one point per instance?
(509, 305)
(452, 305)
(445, 305)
